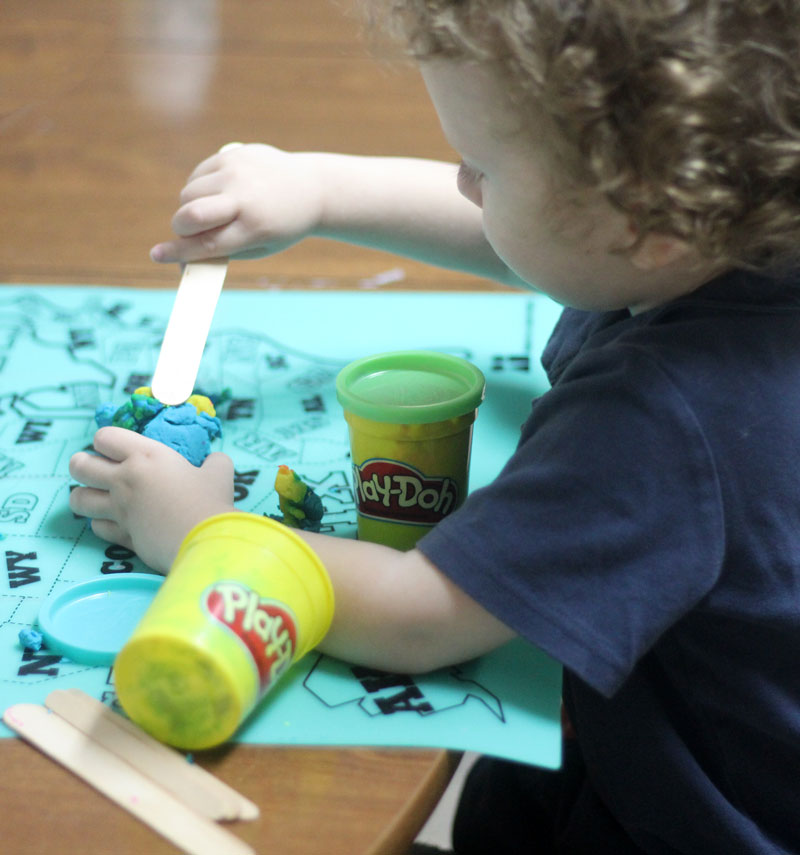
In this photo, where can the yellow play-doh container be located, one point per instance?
(410, 416)
(245, 598)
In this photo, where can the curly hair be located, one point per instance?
(685, 113)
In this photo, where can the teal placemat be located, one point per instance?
(63, 350)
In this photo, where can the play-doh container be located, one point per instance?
(410, 416)
(245, 598)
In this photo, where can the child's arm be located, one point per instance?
(394, 610)
(255, 200)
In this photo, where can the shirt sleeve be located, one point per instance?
(603, 529)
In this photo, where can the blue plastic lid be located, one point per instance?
(89, 622)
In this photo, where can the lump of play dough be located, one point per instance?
(133, 414)
(30, 639)
(188, 428)
(184, 429)
(300, 505)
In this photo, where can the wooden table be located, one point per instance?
(313, 800)
(105, 108)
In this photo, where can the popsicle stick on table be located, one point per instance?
(189, 783)
(187, 330)
(120, 782)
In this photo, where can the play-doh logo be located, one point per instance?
(390, 490)
(266, 628)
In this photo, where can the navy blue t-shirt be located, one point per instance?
(646, 533)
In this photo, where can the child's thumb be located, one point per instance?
(219, 464)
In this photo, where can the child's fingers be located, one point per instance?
(205, 167)
(219, 464)
(204, 213)
(110, 531)
(227, 240)
(117, 444)
(218, 469)
(213, 162)
(90, 502)
(174, 251)
(91, 470)
(204, 185)
(199, 248)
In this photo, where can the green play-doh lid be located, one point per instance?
(410, 387)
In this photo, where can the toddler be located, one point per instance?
(638, 161)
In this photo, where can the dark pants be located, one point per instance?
(509, 809)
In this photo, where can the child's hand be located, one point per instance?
(248, 201)
(144, 495)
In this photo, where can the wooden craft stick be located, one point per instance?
(187, 330)
(193, 785)
(121, 783)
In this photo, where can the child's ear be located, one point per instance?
(657, 250)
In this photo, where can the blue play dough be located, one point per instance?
(182, 428)
(30, 639)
